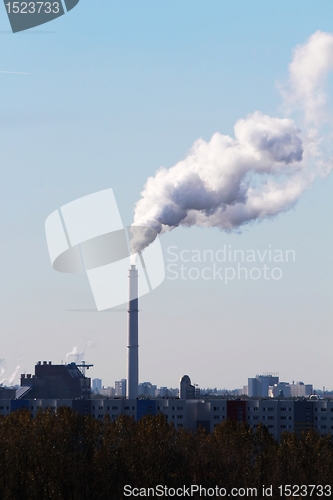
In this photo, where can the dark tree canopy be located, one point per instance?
(64, 455)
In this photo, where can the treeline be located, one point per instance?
(67, 456)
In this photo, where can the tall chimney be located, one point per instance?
(133, 347)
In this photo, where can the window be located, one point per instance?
(283, 418)
(270, 409)
(270, 426)
(180, 408)
(113, 407)
(283, 426)
(322, 409)
(127, 408)
(270, 418)
(179, 417)
(217, 417)
(283, 409)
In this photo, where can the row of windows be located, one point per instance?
(272, 426)
(269, 417)
(114, 408)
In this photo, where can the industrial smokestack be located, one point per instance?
(133, 347)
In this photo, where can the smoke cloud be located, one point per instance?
(260, 172)
(11, 379)
(2, 367)
(76, 355)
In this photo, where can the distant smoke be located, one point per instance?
(13, 375)
(308, 71)
(11, 379)
(76, 355)
(261, 172)
(90, 343)
(2, 367)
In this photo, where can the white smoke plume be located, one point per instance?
(307, 72)
(2, 368)
(76, 355)
(11, 379)
(260, 172)
(13, 375)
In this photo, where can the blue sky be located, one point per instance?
(114, 91)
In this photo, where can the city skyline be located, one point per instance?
(104, 100)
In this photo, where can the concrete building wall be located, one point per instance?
(278, 415)
(218, 412)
